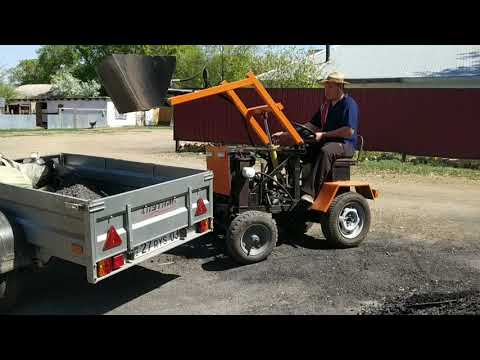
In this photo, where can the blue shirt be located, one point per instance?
(343, 113)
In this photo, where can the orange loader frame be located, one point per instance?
(220, 165)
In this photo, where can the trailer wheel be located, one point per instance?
(251, 237)
(8, 290)
(347, 222)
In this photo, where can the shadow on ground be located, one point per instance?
(62, 288)
(212, 249)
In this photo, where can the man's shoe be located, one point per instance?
(307, 198)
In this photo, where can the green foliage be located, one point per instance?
(287, 68)
(65, 84)
(7, 91)
(291, 65)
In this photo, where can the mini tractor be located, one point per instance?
(256, 187)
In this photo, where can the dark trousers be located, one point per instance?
(318, 164)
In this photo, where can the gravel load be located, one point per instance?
(459, 303)
(80, 191)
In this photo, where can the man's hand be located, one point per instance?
(278, 136)
(319, 136)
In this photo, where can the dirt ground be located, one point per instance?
(423, 240)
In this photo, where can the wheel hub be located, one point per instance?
(350, 221)
(255, 239)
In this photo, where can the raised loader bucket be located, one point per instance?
(136, 82)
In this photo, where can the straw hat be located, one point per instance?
(335, 77)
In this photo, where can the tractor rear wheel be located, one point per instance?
(251, 237)
(347, 221)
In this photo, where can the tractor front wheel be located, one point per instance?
(251, 237)
(347, 221)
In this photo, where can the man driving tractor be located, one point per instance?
(335, 126)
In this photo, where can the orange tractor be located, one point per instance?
(256, 188)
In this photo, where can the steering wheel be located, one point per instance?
(305, 132)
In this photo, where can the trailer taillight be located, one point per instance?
(203, 226)
(118, 261)
(201, 208)
(104, 267)
(113, 239)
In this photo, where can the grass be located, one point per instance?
(396, 166)
(43, 132)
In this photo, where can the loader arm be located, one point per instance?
(248, 113)
(139, 83)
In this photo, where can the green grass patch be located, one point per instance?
(396, 166)
(44, 132)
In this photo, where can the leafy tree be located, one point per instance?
(65, 84)
(51, 59)
(7, 91)
(26, 72)
(289, 67)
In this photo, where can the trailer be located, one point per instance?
(147, 209)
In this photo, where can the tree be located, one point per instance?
(236, 61)
(190, 58)
(289, 67)
(65, 84)
(51, 59)
(7, 91)
(26, 72)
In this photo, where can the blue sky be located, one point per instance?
(10, 55)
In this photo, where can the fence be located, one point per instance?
(17, 121)
(419, 121)
(73, 118)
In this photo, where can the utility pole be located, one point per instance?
(222, 50)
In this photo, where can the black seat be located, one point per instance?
(341, 166)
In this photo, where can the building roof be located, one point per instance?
(401, 61)
(32, 90)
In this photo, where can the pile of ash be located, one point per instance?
(456, 303)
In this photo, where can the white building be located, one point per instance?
(71, 111)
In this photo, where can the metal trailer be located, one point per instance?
(153, 209)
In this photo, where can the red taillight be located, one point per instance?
(118, 261)
(203, 226)
(201, 208)
(104, 267)
(113, 239)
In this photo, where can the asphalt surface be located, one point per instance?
(422, 252)
(304, 278)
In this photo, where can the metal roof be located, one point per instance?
(32, 90)
(54, 98)
(401, 61)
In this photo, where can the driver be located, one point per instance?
(335, 126)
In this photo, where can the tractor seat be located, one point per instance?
(341, 166)
(345, 162)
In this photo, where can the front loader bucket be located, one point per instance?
(136, 82)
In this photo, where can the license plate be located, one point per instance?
(153, 245)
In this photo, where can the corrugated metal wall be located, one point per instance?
(430, 122)
(71, 120)
(18, 121)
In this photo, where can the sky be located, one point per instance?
(10, 55)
